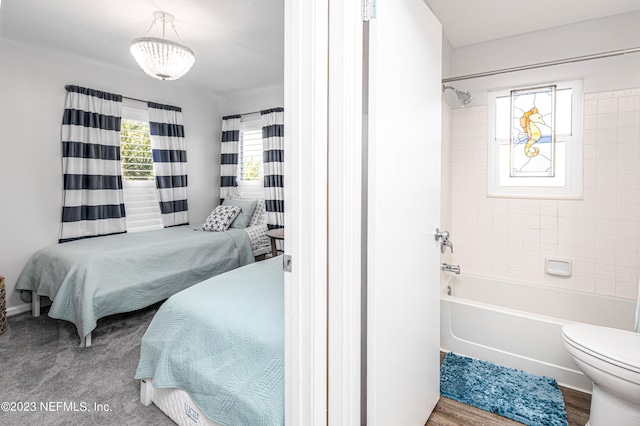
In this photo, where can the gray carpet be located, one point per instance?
(42, 368)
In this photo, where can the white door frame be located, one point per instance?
(345, 210)
(323, 145)
(305, 102)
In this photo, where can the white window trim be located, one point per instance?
(573, 185)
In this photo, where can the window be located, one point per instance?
(535, 141)
(138, 179)
(250, 167)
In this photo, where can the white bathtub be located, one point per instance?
(519, 325)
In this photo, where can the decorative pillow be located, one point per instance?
(258, 236)
(246, 211)
(220, 218)
(256, 219)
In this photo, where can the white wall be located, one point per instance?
(254, 100)
(585, 38)
(509, 238)
(32, 100)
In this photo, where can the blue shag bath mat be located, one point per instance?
(523, 397)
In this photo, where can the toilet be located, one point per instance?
(610, 358)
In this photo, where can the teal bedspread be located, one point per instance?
(222, 341)
(92, 278)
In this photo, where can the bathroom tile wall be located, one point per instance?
(509, 238)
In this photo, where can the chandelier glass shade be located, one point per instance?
(161, 58)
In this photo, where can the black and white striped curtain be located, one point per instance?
(273, 162)
(229, 156)
(93, 202)
(169, 151)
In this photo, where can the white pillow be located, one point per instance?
(257, 213)
(220, 218)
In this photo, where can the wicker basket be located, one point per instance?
(3, 306)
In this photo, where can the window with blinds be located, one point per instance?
(251, 156)
(250, 170)
(138, 179)
(135, 150)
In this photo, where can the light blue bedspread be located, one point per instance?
(91, 278)
(222, 341)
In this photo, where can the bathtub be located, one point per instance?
(519, 325)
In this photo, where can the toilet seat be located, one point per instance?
(614, 346)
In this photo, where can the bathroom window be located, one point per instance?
(535, 141)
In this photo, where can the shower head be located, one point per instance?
(463, 97)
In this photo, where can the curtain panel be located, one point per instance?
(273, 162)
(169, 151)
(93, 202)
(229, 153)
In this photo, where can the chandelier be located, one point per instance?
(161, 58)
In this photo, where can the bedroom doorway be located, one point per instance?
(323, 331)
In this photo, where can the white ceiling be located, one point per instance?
(239, 44)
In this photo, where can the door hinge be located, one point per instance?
(286, 263)
(368, 10)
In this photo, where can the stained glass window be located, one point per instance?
(533, 141)
(554, 167)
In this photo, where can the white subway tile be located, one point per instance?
(586, 254)
(628, 103)
(606, 211)
(608, 136)
(590, 107)
(605, 272)
(625, 274)
(627, 258)
(605, 256)
(628, 181)
(586, 284)
(607, 121)
(628, 119)
(584, 269)
(628, 135)
(586, 239)
(609, 105)
(627, 197)
(606, 196)
(627, 228)
(586, 224)
(606, 241)
(627, 212)
(627, 290)
(606, 150)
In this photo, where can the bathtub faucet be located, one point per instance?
(450, 268)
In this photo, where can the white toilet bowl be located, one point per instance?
(610, 358)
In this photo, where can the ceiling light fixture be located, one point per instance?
(161, 58)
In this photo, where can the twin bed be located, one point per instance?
(214, 353)
(92, 278)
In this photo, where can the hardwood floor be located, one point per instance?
(452, 413)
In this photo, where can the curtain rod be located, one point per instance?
(66, 87)
(545, 64)
(134, 99)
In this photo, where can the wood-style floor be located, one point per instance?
(452, 413)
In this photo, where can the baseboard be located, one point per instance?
(26, 307)
(15, 310)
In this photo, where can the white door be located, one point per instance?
(403, 306)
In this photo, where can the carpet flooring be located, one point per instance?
(48, 380)
(526, 398)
